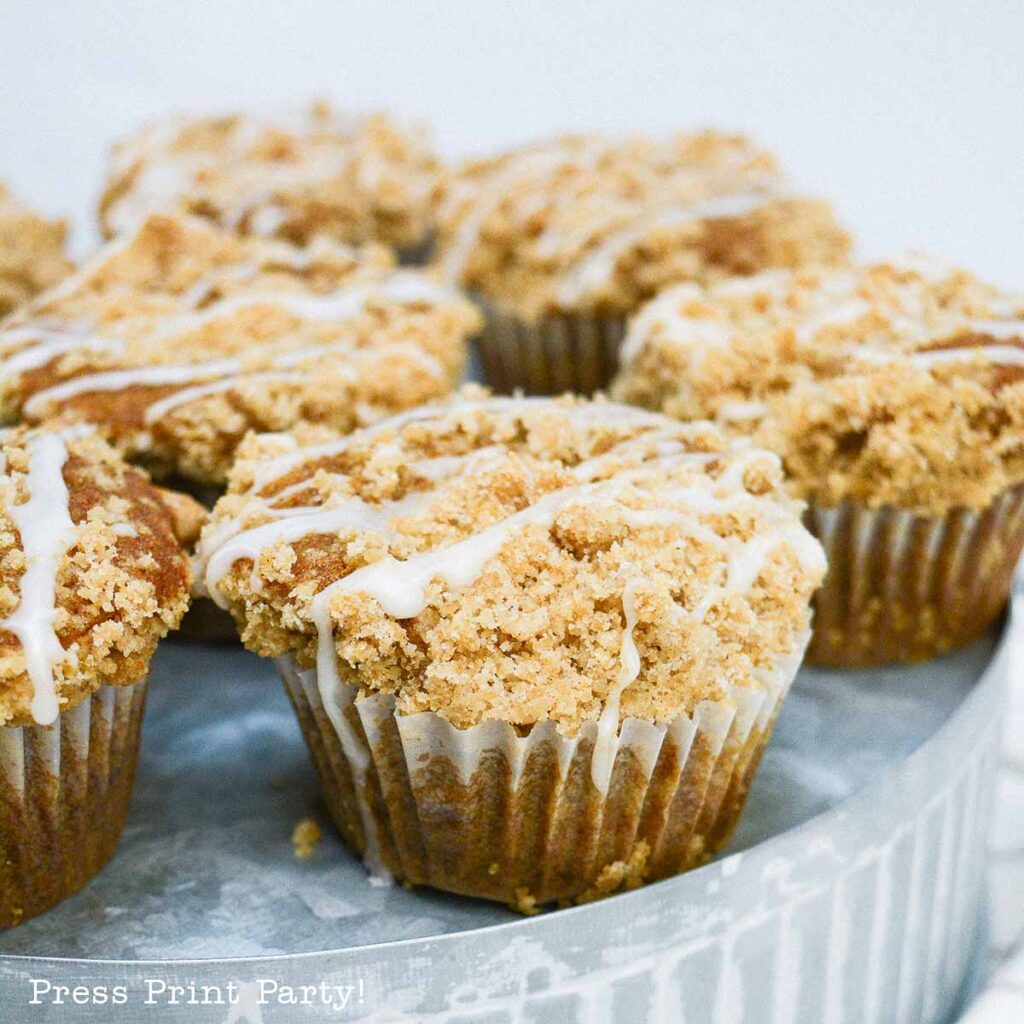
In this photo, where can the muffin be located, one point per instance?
(894, 394)
(562, 241)
(179, 338)
(92, 575)
(32, 253)
(305, 173)
(536, 646)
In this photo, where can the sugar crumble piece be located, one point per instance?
(305, 837)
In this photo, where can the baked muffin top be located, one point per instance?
(894, 383)
(303, 173)
(92, 572)
(179, 338)
(32, 253)
(517, 559)
(589, 224)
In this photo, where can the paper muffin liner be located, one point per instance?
(524, 819)
(904, 587)
(560, 352)
(64, 795)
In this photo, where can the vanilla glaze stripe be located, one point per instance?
(280, 466)
(46, 528)
(158, 410)
(596, 267)
(524, 168)
(46, 345)
(121, 380)
(400, 287)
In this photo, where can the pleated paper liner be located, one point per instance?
(559, 352)
(520, 819)
(64, 796)
(903, 587)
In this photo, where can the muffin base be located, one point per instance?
(903, 587)
(486, 812)
(559, 352)
(65, 790)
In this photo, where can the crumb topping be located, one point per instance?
(586, 223)
(91, 572)
(180, 338)
(305, 837)
(304, 173)
(894, 383)
(516, 559)
(32, 253)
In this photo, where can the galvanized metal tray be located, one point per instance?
(852, 891)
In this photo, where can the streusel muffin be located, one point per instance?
(32, 255)
(894, 394)
(92, 575)
(179, 338)
(295, 176)
(564, 240)
(536, 646)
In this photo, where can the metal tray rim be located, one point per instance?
(981, 690)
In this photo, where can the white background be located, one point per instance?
(910, 115)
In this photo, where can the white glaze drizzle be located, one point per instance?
(843, 313)
(294, 357)
(121, 380)
(401, 287)
(400, 587)
(742, 411)
(171, 175)
(222, 547)
(597, 266)
(45, 345)
(160, 409)
(662, 315)
(1000, 355)
(291, 524)
(606, 740)
(662, 320)
(157, 376)
(283, 464)
(46, 528)
(1001, 329)
(519, 170)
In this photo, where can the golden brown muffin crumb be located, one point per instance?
(587, 224)
(90, 571)
(525, 903)
(302, 174)
(305, 838)
(32, 256)
(498, 558)
(179, 339)
(622, 876)
(895, 383)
